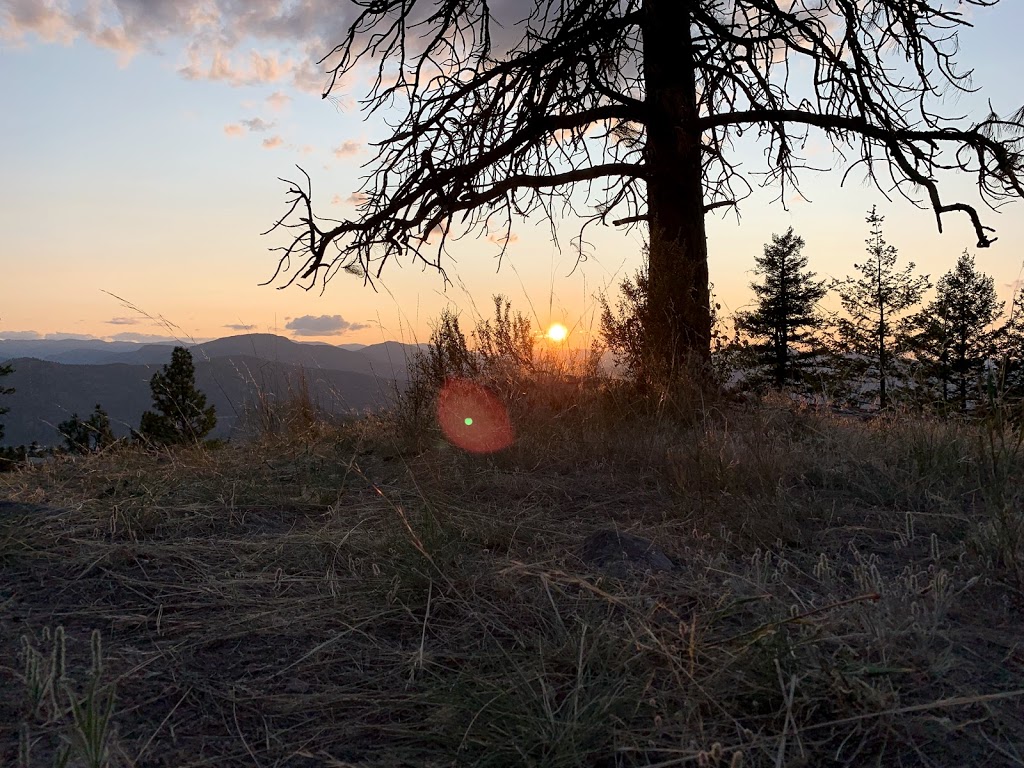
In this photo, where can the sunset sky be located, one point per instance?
(142, 141)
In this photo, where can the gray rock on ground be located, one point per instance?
(621, 555)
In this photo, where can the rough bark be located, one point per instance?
(679, 330)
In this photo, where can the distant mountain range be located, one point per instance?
(53, 379)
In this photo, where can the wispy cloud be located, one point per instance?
(252, 125)
(222, 66)
(20, 335)
(278, 100)
(257, 124)
(239, 326)
(347, 149)
(149, 338)
(501, 239)
(273, 142)
(322, 325)
(356, 198)
(64, 335)
(123, 321)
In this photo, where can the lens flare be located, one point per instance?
(558, 332)
(472, 418)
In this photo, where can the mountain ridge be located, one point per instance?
(48, 392)
(385, 358)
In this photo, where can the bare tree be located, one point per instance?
(625, 112)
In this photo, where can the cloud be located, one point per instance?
(254, 125)
(307, 149)
(322, 325)
(348, 149)
(20, 335)
(63, 336)
(278, 100)
(123, 321)
(289, 37)
(55, 23)
(223, 67)
(240, 43)
(500, 239)
(257, 125)
(239, 326)
(273, 142)
(151, 338)
(356, 198)
(48, 23)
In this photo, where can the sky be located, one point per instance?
(142, 142)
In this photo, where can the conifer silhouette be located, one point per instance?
(785, 315)
(874, 302)
(180, 413)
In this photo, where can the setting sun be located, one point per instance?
(558, 332)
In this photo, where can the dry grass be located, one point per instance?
(846, 594)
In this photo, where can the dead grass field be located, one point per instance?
(846, 594)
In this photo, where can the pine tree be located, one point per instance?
(873, 302)
(181, 415)
(785, 313)
(956, 335)
(87, 436)
(5, 370)
(1011, 337)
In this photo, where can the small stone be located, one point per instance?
(621, 554)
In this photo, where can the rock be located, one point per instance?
(10, 509)
(621, 555)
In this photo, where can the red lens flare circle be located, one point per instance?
(472, 418)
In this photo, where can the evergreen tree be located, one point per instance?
(956, 335)
(180, 414)
(785, 313)
(87, 436)
(5, 370)
(874, 301)
(1011, 337)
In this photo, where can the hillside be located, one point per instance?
(47, 393)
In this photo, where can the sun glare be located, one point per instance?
(558, 332)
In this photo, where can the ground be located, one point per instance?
(845, 593)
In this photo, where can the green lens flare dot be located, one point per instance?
(469, 422)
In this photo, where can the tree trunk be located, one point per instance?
(678, 331)
(882, 394)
